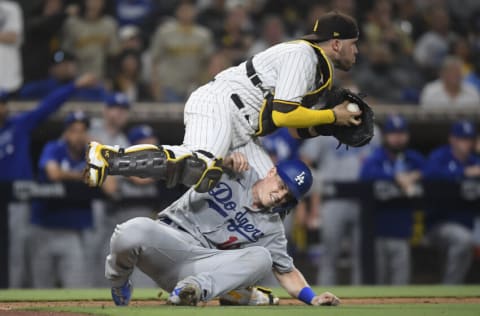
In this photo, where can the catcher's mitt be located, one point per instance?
(355, 136)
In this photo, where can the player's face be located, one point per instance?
(462, 147)
(116, 117)
(396, 142)
(76, 136)
(347, 54)
(272, 191)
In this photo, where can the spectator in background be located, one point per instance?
(345, 6)
(462, 50)
(384, 78)
(213, 17)
(273, 32)
(141, 14)
(92, 37)
(218, 61)
(339, 218)
(393, 161)
(15, 163)
(433, 46)
(381, 29)
(179, 50)
(11, 38)
(42, 37)
(474, 77)
(62, 69)
(55, 243)
(450, 90)
(450, 230)
(127, 76)
(237, 36)
(314, 11)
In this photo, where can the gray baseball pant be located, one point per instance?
(169, 255)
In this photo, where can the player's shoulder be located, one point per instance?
(54, 147)
(413, 154)
(378, 154)
(441, 152)
(293, 47)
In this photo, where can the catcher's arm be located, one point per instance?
(294, 283)
(293, 114)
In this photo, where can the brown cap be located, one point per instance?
(333, 25)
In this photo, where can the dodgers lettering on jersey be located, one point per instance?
(238, 220)
(222, 219)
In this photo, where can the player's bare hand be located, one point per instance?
(236, 162)
(86, 80)
(344, 117)
(325, 299)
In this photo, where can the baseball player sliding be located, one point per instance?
(276, 88)
(217, 244)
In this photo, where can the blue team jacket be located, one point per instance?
(60, 214)
(392, 222)
(15, 161)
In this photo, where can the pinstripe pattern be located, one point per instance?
(213, 122)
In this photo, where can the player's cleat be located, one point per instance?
(98, 157)
(187, 294)
(121, 295)
(253, 296)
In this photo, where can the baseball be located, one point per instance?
(353, 107)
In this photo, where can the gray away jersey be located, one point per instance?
(221, 219)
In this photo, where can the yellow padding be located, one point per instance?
(302, 117)
(140, 147)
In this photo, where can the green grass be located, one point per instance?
(363, 310)
(341, 291)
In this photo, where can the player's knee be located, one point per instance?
(131, 234)
(261, 258)
(461, 237)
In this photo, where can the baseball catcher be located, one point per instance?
(220, 243)
(279, 87)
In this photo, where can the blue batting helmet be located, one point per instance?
(296, 176)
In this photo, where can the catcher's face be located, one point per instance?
(271, 190)
(347, 52)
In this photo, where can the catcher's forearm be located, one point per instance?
(291, 114)
(293, 282)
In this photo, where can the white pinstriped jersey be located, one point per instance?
(289, 70)
(213, 122)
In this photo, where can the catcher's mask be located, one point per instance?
(298, 178)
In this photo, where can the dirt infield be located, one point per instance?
(15, 308)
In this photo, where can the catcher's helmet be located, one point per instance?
(296, 176)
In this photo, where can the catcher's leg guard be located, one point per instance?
(255, 296)
(150, 161)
